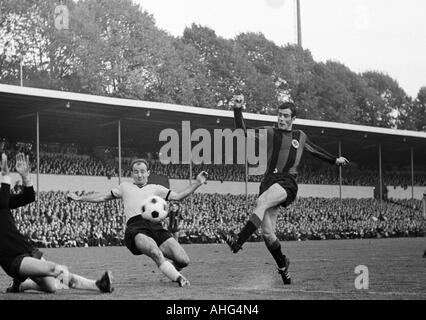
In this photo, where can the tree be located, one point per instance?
(266, 86)
(296, 66)
(390, 99)
(30, 32)
(228, 71)
(413, 116)
(119, 48)
(335, 101)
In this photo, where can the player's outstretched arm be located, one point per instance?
(96, 197)
(320, 153)
(178, 196)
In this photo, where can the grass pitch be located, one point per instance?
(320, 270)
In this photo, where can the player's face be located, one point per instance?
(140, 173)
(285, 120)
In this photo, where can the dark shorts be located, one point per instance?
(137, 225)
(285, 180)
(12, 266)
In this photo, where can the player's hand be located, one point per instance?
(4, 167)
(22, 165)
(73, 196)
(202, 177)
(237, 101)
(342, 161)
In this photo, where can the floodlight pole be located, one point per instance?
(119, 151)
(299, 24)
(380, 176)
(38, 162)
(340, 176)
(246, 171)
(190, 164)
(21, 70)
(412, 173)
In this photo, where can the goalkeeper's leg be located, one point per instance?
(49, 277)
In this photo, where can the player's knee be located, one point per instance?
(156, 255)
(269, 238)
(260, 202)
(51, 289)
(182, 262)
(54, 269)
(57, 269)
(50, 286)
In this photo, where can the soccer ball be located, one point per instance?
(154, 209)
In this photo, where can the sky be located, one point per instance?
(380, 35)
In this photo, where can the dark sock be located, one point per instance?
(275, 250)
(250, 227)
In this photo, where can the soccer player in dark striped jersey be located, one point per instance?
(285, 147)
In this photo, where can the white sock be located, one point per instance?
(32, 285)
(169, 271)
(79, 282)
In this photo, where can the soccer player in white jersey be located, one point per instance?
(143, 236)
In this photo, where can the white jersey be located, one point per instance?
(133, 196)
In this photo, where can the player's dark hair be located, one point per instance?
(288, 105)
(139, 161)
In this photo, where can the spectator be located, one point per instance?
(60, 223)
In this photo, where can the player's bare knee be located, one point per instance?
(182, 262)
(156, 255)
(54, 269)
(51, 289)
(269, 238)
(260, 202)
(50, 286)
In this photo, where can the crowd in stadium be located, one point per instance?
(61, 223)
(309, 172)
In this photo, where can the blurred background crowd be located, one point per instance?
(62, 223)
(69, 160)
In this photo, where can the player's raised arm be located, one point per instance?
(201, 179)
(237, 103)
(6, 181)
(96, 197)
(28, 194)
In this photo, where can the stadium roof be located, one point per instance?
(92, 120)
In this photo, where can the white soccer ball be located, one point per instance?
(154, 209)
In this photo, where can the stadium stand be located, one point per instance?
(70, 224)
(69, 162)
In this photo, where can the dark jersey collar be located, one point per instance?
(140, 187)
